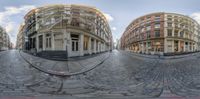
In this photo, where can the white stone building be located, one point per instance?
(77, 29)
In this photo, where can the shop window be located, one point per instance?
(40, 41)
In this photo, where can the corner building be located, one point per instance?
(162, 33)
(77, 29)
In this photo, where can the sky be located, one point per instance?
(119, 13)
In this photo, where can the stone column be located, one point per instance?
(179, 46)
(64, 39)
(172, 45)
(147, 48)
(142, 47)
(165, 46)
(37, 43)
(69, 44)
(81, 44)
(44, 41)
(104, 46)
(52, 41)
(183, 46)
(89, 46)
(99, 46)
(193, 46)
(95, 46)
(189, 46)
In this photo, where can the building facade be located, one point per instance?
(77, 29)
(118, 45)
(162, 33)
(20, 44)
(4, 40)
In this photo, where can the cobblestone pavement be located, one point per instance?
(121, 76)
(64, 68)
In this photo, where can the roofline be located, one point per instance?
(70, 5)
(161, 13)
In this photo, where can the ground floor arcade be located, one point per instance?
(161, 46)
(76, 44)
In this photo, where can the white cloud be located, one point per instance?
(114, 28)
(108, 17)
(10, 24)
(196, 16)
(10, 27)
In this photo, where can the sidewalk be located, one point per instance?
(64, 68)
(162, 57)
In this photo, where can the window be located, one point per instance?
(143, 35)
(47, 21)
(148, 17)
(169, 16)
(181, 34)
(143, 29)
(142, 22)
(190, 36)
(74, 45)
(176, 33)
(75, 22)
(157, 25)
(169, 19)
(157, 18)
(186, 35)
(148, 34)
(53, 20)
(34, 42)
(75, 42)
(175, 20)
(40, 41)
(48, 41)
(157, 33)
(176, 25)
(169, 32)
(149, 46)
(148, 28)
(169, 24)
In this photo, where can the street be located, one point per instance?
(116, 74)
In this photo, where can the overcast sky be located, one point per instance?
(118, 12)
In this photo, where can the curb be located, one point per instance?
(164, 57)
(50, 72)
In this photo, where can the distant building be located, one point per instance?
(77, 29)
(118, 46)
(4, 40)
(21, 38)
(162, 33)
